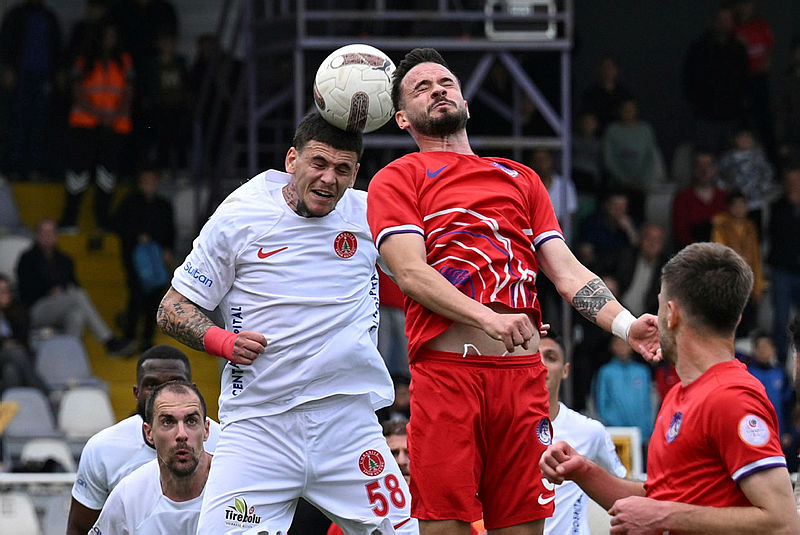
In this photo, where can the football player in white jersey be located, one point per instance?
(288, 260)
(164, 495)
(118, 450)
(587, 436)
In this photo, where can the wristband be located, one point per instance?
(219, 342)
(621, 325)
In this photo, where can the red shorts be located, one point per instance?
(479, 425)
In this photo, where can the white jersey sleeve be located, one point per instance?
(91, 488)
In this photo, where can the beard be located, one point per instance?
(443, 124)
(183, 469)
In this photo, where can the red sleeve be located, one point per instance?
(544, 225)
(744, 428)
(392, 205)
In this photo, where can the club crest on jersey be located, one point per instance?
(753, 430)
(345, 244)
(371, 463)
(544, 431)
(674, 426)
(510, 172)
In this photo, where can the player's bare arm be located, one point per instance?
(405, 256)
(592, 298)
(81, 518)
(773, 511)
(186, 322)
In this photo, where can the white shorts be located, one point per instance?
(330, 452)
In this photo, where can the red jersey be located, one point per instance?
(711, 434)
(481, 218)
(759, 41)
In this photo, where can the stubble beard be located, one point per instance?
(442, 125)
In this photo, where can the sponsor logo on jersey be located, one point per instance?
(240, 515)
(753, 430)
(199, 276)
(434, 174)
(510, 172)
(674, 426)
(371, 463)
(266, 254)
(345, 244)
(544, 431)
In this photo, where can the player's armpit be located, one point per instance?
(81, 518)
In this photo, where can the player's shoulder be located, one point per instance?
(141, 476)
(119, 434)
(576, 420)
(253, 192)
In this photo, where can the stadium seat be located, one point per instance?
(82, 412)
(11, 248)
(62, 362)
(33, 419)
(39, 450)
(18, 515)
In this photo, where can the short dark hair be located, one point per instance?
(712, 282)
(394, 427)
(178, 387)
(314, 127)
(165, 352)
(411, 60)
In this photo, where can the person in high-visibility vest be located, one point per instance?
(99, 122)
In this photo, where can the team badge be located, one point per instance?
(544, 431)
(345, 244)
(371, 463)
(674, 426)
(753, 430)
(510, 172)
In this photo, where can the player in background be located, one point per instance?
(289, 261)
(464, 237)
(715, 463)
(164, 495)
(587, 436)
(794, 330)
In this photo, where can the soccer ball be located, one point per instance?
(353, 88)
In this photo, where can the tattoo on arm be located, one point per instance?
(591, 298)
(184, 321)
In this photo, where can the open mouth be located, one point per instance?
(323, 194)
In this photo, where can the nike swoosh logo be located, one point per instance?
(433, 174)
(545, 501)
(402, 523)
(262, 254)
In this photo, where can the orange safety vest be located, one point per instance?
(105, 86)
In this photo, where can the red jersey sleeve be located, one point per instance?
(392, 202)
(744, 429)
(544, 225)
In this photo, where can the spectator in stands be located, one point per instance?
(789, 105)
(734, 229)
(745, 168)
(99, 121)
(606, 94)
(30, 55)
(51, 293)
(622, 390)
(607, 235)
(715, 82)
(639, 274)
(784, 256)
(756, 35)
(96, 11)
(560, 189)
(16, 363)
(694, 206)
(587, 153)
(164, 495)
(120, 449)
(765, 367)
(400, 409)
(631, 155)
(144, 217)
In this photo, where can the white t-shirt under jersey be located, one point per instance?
(590, 439)
(309, 285)
(112, 454)
(137, 506)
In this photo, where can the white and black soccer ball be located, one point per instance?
(353, 88)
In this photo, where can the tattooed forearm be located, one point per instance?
(591, 298)
(183, 320)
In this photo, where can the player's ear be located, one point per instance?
(291, 159)
(148, 433)
(353, 178)
(466, 107)
(400, 119)
(673, 314)
(567, 368)
(208, 429)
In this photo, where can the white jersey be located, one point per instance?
(309, 285)
(137, 506)
(112, 454)
(590, 439)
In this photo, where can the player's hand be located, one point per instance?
(643, 337)
(511, 329)
(544, 328)
(248, 346)
(637, 515)
(560, 462)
